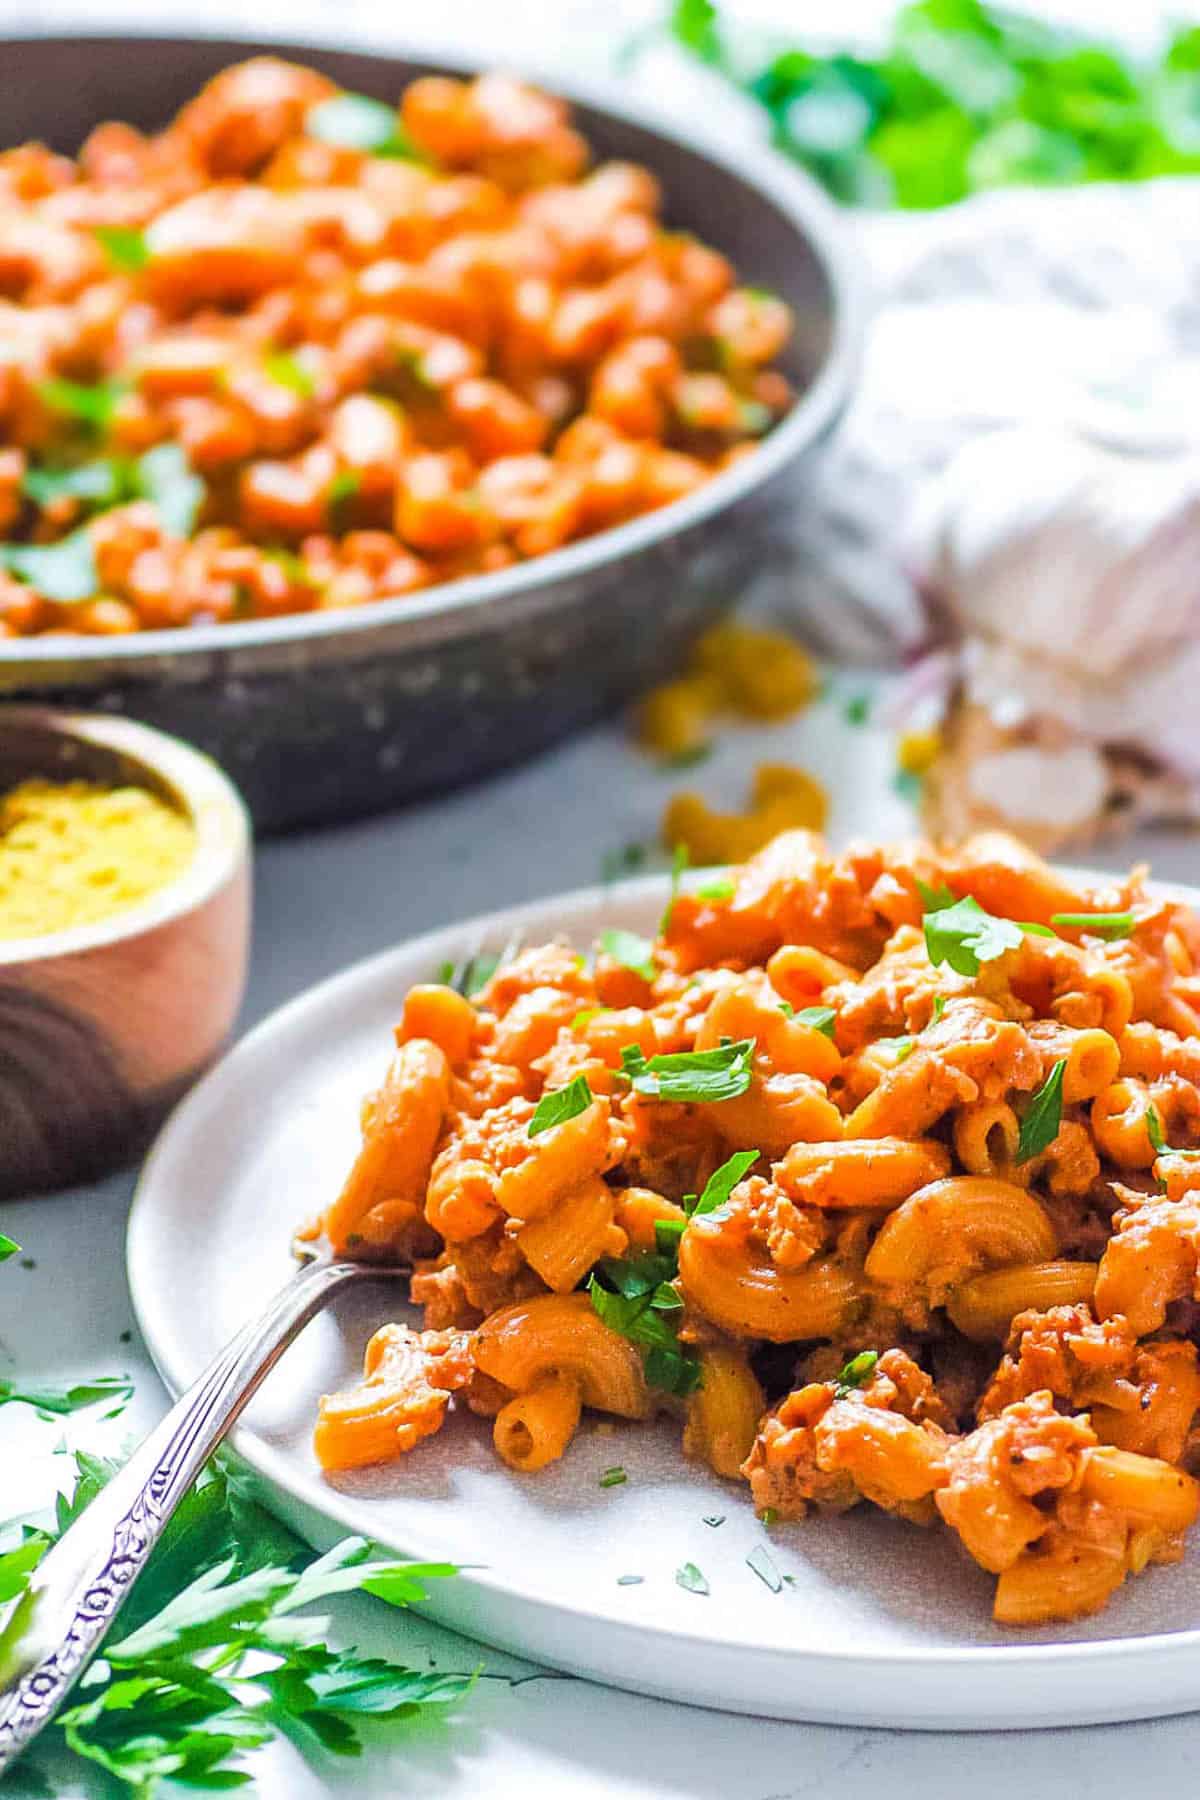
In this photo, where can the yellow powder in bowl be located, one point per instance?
(73, 852)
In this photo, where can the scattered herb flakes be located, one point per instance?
(1154, 1130)
(679, 862)
(687, 759)
(355, 122)
(902, 1048)
(964, 936)
(91, 404)
(7, 1248)
(124, 245)
(631, 951)
(762, 1563)
(690, 1578)
(114, 1392)
(722, 1182)
(691, 1076)
(561, 1104)
(630, 1580)
(853, 1374)
(586, 1014)
(1102, 925)
(857, 709)
(817, 1018)
(126, 1337)
(1039, 1127)
(287, 371)
(939, 1007)
(101, 483)
(768, 1516)
(614, 1477)
(713, 1519)
(787, 1009)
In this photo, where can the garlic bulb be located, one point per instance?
(1064, 583)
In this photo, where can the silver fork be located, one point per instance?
(81, 1584)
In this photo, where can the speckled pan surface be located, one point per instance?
(880, 1624)
(321, 717)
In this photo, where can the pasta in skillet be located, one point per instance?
(880, 1171)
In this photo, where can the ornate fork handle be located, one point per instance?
(81, 1584)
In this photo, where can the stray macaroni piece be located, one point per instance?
(783, 799)
(72, 853)
(878, 1173)
(302, 350)
(739, 669)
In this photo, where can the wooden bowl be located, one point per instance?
(103, 1026)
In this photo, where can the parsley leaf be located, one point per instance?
(1039, 1127)
(693, 1075)
(101, 483)
(1101, 925)
(356, 122)
(860, 1368)
(1154, 1130)
(7, 1247)
(630, 1580)
(286, 370)
(667, 1233)
(166, 478)
(633, 1297)
(65, 571)
(631, 951)
(818, 1018)
(124, 245)
(934, 899)
(115, 1391)
(613, 1477)
(92, 405)
(689, 1577)
(965, 936)
(211, 1671)
(939, 1007)
(561, 1104)
(343, 489)
(679, 862)
(716, 890)
(722, 1182)
(763, 1565)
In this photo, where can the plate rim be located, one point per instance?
(273, 1466)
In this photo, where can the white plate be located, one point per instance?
(880, 1624)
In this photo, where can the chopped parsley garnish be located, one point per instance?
(818, 1018)
(586, 1014)
(716, 890)
(561, 1104)
(762, 1563)
(7, 1248)
(630, 1580)
(114, 1391)
(689, 1577)
(939, 1007)
(934, 899)
(102, 483)
(613, 1477)
(125, 246)
(713, 1519)
(634, 1296)
(768, 1516)
(787, 1009)
(667, 1233)
(92, 404)
(342, 490)
(721, 1183)
(688, 759)
(693, 1075)
(65, 571)
(679, 862)
(860, 1368)
(1102, 925)
(857, 709)
(1154, 1130)
(1039, 1127)
(964, 936)
(355, 122)
(631, 951)
(902, 1047)
(287, 371)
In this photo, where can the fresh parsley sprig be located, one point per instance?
(720, 1184)
(634, 1296)
(631, 951)
(113, 1391)
(214, 1661)
(964, 936)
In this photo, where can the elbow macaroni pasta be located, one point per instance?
(977, 1195)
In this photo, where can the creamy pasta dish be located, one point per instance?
(878, 1171)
